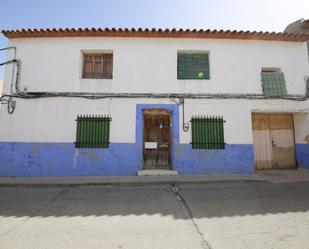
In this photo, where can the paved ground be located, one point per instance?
(212, 215)
(274, 176)
(283, 176)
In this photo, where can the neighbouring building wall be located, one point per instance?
(299, 27)
(38, 138)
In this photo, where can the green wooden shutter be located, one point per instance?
(273, 84)
(192, 65)
(92, 131)
(207, 133)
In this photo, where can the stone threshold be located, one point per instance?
(156, 172)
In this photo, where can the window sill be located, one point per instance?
(193, 79)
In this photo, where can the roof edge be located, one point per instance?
(155, 33)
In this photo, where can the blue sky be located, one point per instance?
(261, 15)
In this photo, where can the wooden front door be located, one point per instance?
(273, 139)
(156, 149)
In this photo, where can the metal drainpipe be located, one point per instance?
(185, 126)
(307, 85)
(13, 69)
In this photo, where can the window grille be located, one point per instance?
(92, 131)
(192, 65)
(273, 83)
(207, 132)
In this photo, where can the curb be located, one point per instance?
(115, 184)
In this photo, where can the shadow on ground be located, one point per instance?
(204, 200)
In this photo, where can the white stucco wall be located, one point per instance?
(149, 65)
(1, 87)
(53, 120)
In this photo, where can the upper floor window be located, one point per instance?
(98, 65)
(273, 82)
(192, 65)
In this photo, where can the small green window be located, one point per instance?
(192, 65)
(207, 132)
(273, 83)
(92, 131)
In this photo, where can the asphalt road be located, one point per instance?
(213, 215)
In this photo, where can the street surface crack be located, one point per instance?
(37, 211)
(186, 208)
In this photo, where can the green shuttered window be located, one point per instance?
(92, 131)
(207, 132)
(192, 65)
(273, 84)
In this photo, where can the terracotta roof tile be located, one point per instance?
(155, 33)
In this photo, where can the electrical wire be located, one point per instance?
(95, 95)
(7, 48)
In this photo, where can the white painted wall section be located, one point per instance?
(1, 87)
(144, 65)
(150, 65)
(53, 120)
(301, 127)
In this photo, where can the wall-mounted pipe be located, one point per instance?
(13, 71)
(307, 85)
(185, 126)
(8, 99)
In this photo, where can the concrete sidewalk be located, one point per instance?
(273, 176)
(126, 180)
(284, 175)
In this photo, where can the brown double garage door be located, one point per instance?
(273, 140)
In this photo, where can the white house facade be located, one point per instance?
(1, 87)
(117, 102)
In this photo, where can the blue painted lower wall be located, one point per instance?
(235, 158)
(302, 155)
(62, 159)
